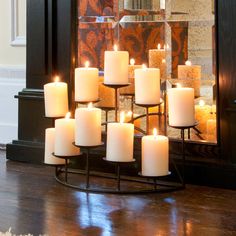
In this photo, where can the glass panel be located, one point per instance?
(185, 28)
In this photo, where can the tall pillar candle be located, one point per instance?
(120, 141)
(86, 84)
(190, 76)
(65, 136)
(56, 99)
(49, 148)
(155, 155)
(116, 67)
(157, 59)
(181, 106)
(147, 86)
(88, 126)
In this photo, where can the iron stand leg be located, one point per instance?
(189, 133)
(147, 120)
(132, 107)
(116, 104)
(106, 119)
(87, 168)
(66, 169)
(118, 176)
(183, 155)
(155, 183)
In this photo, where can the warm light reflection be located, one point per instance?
(163, 61)
(86, 64)
(178, 85)
(155, 132)
(122, 117)
(188, 63)
(115, 47)
(132, 61)
(129, 113)
(202, 103)
(144, 66)
(56, 79)
(90, 105)
(159, 46)
(68, 114)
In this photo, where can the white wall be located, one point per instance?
(12, 64)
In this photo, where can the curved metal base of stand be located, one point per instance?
(87, 102)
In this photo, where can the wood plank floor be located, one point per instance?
(31, 201)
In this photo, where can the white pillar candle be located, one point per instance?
(162, 4)
(181, 106)
(65, 136)
(120, 141)
(86, 84)
(189, 71)
(88, 126)
(155, 155)
(157, 59)
(116, 67)
(49, 148)
(56, 99)
(147, 86)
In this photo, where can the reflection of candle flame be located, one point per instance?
(159, 46)
(201, 103)
(90, 105)
(57, 79)
(115, 47)
(132, 61)
(155, 132)
(129, 113)
(178, 85)
(167, 46)
(188, 63)
(163, 61)
(86, 64)
(122, 117)
(68, 114)
(144, 66)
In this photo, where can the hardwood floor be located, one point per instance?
(31, 201)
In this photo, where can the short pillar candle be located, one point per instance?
(65, 136)
(49, 148)
(147, 86)
(120, 141)
(88, 126)
(116, 67)
(155, 155)
(86, 83)
(181, 106)
(56, 98)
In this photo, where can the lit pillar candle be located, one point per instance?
(155, 155)
(190, 76)
(157, 59)
(181, 106)
(56, 98)
(88, 126)
(130, 89)
(202, 114)
(147, 86)
(86, 83)
(49, 148)
(116, 67)
(120, 141)
(65, 136)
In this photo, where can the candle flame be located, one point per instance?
(167, 46)
(201, 103)
(68, 114)
(178, 85)
(155, 132)
(163, 61)
(144, 66)
(90, 105)
(188, 63)
(122, 117)
(132, 61)
(129, 113)
(158, 46)
(86, 64)
(115, 47)
(57, 79)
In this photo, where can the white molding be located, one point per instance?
(11, 72)
(16, 39)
